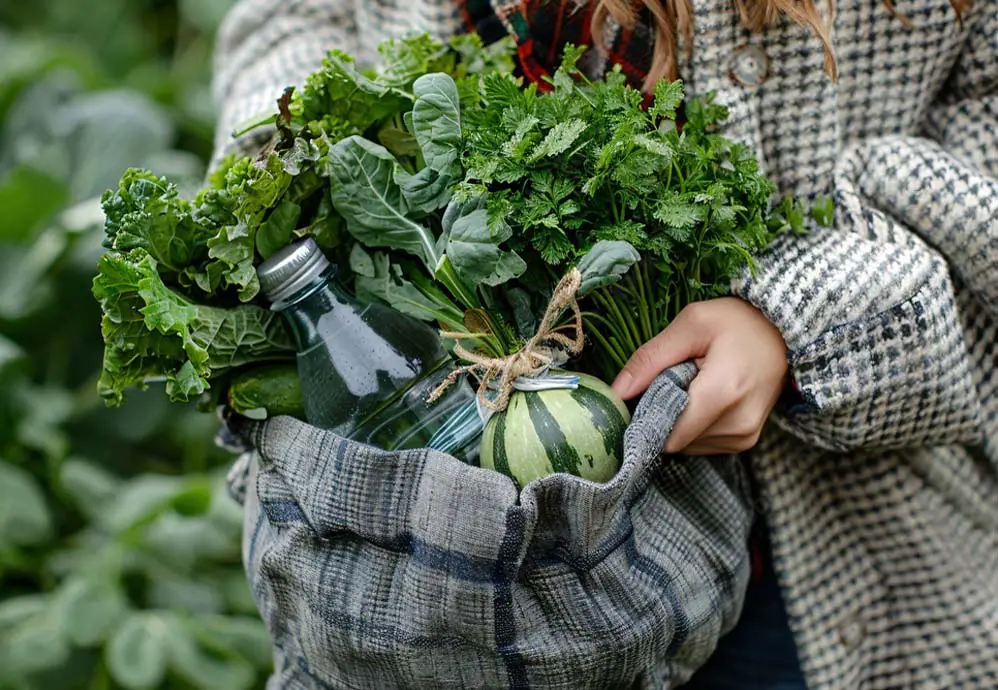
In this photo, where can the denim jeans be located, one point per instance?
(759, 654)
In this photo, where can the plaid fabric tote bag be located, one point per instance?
(377, 570)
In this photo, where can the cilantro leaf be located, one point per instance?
(668, 97)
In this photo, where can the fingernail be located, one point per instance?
(622, 384)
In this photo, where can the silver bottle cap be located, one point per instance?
(291, 269)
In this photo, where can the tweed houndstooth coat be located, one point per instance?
(880, 491)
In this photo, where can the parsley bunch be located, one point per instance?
(588, 161)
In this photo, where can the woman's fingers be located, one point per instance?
(743, 367)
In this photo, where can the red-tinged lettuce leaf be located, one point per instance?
(154, 333)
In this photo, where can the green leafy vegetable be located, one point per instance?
(367, 195)
(605, 264)
(277, 230)
(436, 122)
(360, 159)
(585, 173)
(446, 189)
(474, 251)
(152, 332)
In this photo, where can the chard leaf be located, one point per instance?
(436, 122)
(366, 194)
(276, 231)
(376, 279)
(523, 312)
(361, 263)
(475, 253)
(152, 332)
(508, 267)
(424, 192)
(398, 141)
(605, 264)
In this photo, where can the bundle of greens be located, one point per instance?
(444, 188)
(593, 161)
(178, 286)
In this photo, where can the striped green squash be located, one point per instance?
(579, 431)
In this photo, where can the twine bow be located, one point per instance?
(537, 355)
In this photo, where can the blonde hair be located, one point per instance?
(674, 18)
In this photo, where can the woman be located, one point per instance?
(869, 347)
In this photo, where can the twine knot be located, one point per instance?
(536, 356)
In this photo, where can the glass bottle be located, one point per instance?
(366, 369)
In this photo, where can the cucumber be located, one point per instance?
(267, 391)
(579, 431)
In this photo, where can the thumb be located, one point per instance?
(679, 342)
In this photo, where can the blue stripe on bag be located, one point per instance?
(454, 564)
(505, 625)
(650, 568)
(282, 511)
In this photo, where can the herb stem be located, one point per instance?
(609, 347)
(627, 329)
(644, 307)
(449, 279)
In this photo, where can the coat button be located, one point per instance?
(749, 65)
(851, 633)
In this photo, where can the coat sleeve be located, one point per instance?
(266, 45)
(879, 313)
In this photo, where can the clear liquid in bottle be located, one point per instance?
(367, 369)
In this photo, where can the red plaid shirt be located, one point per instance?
(541, 28)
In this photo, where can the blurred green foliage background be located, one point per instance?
(119, 549)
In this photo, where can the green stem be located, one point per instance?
(613, 207)
(660, 314)
(630, 308)
(626, 328)
(642, 275)
(448, 277)
(644, 307)
(605, 322)
(609, 348)
(622, 356)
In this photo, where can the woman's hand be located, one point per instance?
(743, 368)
